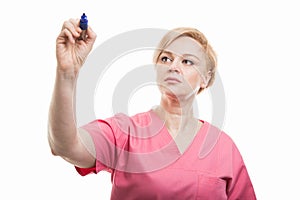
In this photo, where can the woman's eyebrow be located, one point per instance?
(184, 55)
(166, 52)
(191, 55)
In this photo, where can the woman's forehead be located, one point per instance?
(185, 46)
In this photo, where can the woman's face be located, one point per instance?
(181, 68)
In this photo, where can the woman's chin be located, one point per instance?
(179, 95)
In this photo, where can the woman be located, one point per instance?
(163, 153)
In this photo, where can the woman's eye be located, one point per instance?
(187, 62)
(165, 59)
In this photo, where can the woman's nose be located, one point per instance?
(175, 65)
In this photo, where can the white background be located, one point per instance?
(258, 49)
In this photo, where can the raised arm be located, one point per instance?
(65, 139)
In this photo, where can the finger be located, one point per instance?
(67, 34)
(76, 24)
(69, 25)
(91, 34)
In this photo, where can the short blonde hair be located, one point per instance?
(199, 37)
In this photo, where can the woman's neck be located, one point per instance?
(176, 107)
(175, 114)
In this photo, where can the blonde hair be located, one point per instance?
(199, 37)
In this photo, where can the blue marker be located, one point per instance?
(83, 25)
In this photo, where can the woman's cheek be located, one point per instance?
(194, 80)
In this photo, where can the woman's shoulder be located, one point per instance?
(215, 136)
(137, 119)
(213, 130)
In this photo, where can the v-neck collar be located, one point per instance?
(181, 147)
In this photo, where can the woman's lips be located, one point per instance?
(172, 80)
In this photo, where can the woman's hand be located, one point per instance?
(70, 51)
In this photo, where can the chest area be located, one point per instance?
(170, 183)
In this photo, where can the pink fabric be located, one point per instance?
(145, 162)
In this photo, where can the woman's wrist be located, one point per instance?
(67, 75)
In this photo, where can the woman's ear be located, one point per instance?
(203, 85)
(205, 80)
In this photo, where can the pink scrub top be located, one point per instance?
(145, 162)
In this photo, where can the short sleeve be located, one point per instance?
(103, 136)
(240, 186)
(98, 167)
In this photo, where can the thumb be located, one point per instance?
(91, 35)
